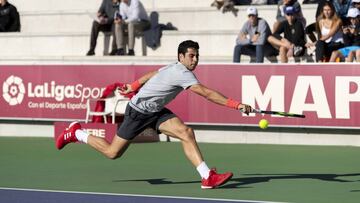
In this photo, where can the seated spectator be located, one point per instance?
(293, 42)
(9, 17)
(104, 23)
(133, 18)
(280, 16)
(252, 39)
(351, 34)
(341, 8)
(330, 34)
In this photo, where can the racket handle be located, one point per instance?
(256, 111)
(253, 111)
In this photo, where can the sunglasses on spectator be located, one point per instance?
(251, 15)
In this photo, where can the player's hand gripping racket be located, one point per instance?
(279, 113)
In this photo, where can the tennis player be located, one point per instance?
(146, 109)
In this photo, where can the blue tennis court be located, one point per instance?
(46, 196)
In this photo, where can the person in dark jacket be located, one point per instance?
(9, 17)
(104, 22)
(293, 42)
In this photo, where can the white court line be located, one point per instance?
(133, 195)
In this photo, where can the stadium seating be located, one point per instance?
(62, 28)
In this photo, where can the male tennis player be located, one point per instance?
(146, 109)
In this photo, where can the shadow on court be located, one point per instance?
(257, 178)
(158, 181)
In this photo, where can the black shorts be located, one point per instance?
(135, 122)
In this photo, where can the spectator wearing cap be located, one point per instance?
(252, 39)
(293, 42)
(280, 16)
(330, 34)
(9, 17)
(351, 34)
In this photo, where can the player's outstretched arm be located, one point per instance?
(218, 98)
(137, 83)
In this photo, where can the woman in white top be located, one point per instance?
(330, 35)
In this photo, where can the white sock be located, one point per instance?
(81, 135)
(203, 170)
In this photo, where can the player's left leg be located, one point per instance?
(112, 151)
(74, 133)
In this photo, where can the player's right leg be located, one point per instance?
(174, 127)
(74, 133)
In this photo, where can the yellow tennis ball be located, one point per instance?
(263, 123)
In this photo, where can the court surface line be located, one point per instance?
(133, 195)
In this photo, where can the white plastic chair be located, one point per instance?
(115, 105)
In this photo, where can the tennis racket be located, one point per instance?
(279, 113)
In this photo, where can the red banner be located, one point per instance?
(106, 131)
(328, 94)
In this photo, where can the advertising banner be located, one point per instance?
(106, 131)
(328, 94)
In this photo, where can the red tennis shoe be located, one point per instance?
(68, 135)
(214, 180)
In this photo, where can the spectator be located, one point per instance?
(280, 16)
(104, 22)
(330, 35)
(252, 39)
(133, 18)
(341, 8)
(351, 34)
(293, 42)
(9, 17)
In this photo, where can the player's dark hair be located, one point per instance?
(183, 46)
